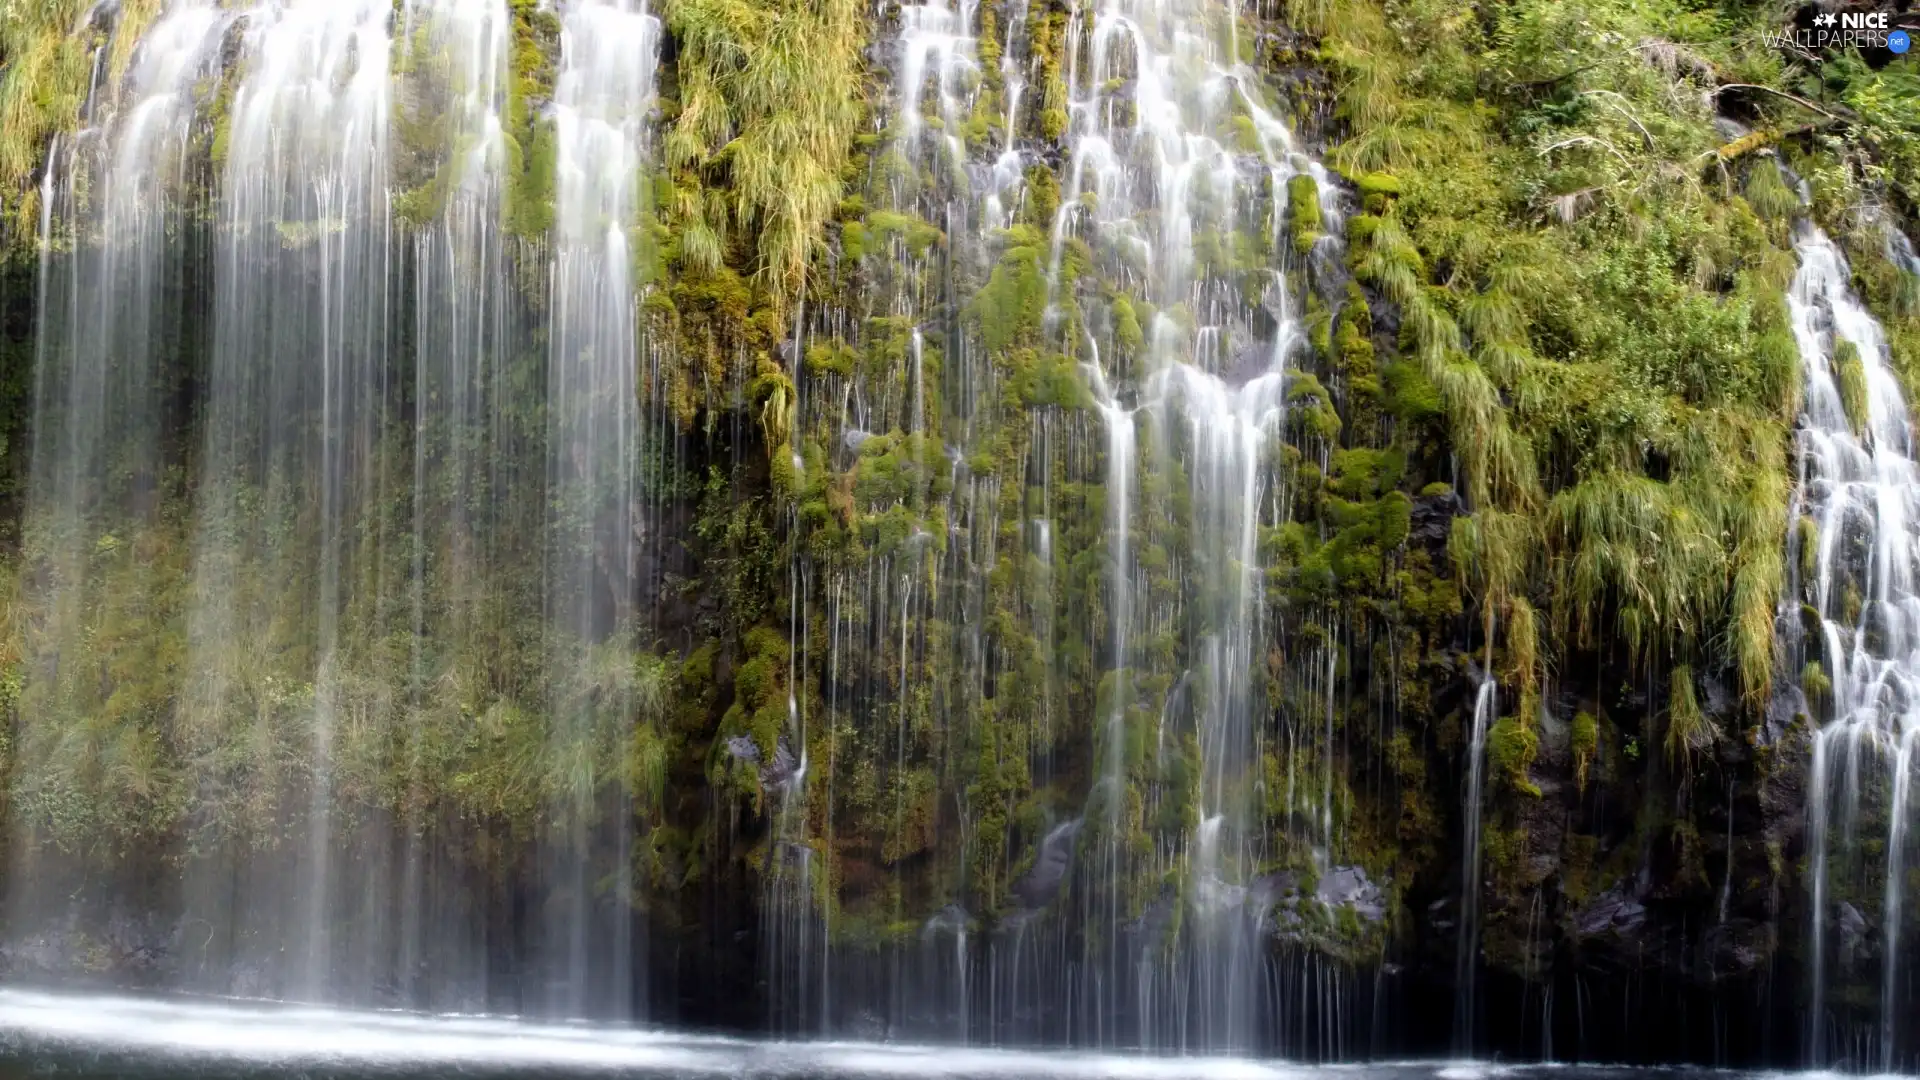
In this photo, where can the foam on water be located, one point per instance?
(189, 1034)
(289, 1036)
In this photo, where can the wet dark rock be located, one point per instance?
(1716, 699)
(1328, 258)
(1051, 864)
(1853, 935)
(1782, 789)
(124, 948)
(1341, 917)
(1787, 704)
(791, 855)
(1348, 887)
(1553, 753)
(1433, 519)
(1249, 362)
(773, 774)
(950, 919)
(1614, 912)
(1268, 888)
(1157, 920)
(1738, 947)
(784, 765)
(743, 748)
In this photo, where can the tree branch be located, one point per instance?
(1624, 111)
(1795, 98)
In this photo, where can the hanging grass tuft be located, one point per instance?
(769, 106)
(1767, 191)
(44, 69)
(1689, 732)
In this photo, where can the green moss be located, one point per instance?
(1049, 379)
(1379, 183)
(1303, 213)
(1768, 193)
(1010, 308)
(918, 236)
(1053, 124)
(1809, 543)
(1365, 474)
(532, 148)
(833, 357)
(1411, 395)
(1512, 745)
(1126, 326)
(1246, 138)
(1586, 742)
(1313, 406)
(1850, 374)
(1815, 684)
(1042, 198)
(766, 120)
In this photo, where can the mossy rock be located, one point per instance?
(1378, 183)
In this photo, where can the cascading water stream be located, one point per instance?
(603, 103)
(291, 427)
(1154, 186)
(96, 402)
(469, 491)
(109, 320)
(365, 480)
(1467, 966)
(1859, 488)
(372, 509)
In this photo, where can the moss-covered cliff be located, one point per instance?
(1066, 574)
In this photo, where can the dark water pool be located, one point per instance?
(85, 1036)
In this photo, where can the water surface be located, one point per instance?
(71, 1035)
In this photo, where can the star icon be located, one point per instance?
(1827, 19)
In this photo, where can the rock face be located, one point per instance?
(1051, 863)
(120, 950)
(1019, 608)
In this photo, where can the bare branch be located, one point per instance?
(1587, 140)
(1795, 98)
(1623, 110)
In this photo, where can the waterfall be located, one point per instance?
(1858, 489)
(295, 216)
(470, 495)
(603, 103)
(1113, 782)
(292, 424)
(97, 408)
(110, 319)
(1149, 926)
(1227, 432)
(1467, 966)
(1154, 187)
(1044, 654)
